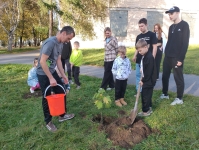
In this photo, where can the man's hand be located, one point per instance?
(134, 58)
(179, 63)
(53, 82)
(65, 78)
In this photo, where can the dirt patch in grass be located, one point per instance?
(121, 132)
(28, 95)
(82, 114)
(121, 112)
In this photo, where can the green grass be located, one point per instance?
(22, 126)
(18, 50)
(96, 56)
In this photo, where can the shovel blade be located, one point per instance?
(133, 115)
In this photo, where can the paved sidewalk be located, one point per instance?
(23, 58)
(191, 81)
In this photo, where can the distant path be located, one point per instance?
(191, 81)
(22, 58)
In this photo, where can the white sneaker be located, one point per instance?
(150, 108)
(78, 87)
(108, 89)
(31, 91)
(177, 101)
(71, 82)
(164, 97)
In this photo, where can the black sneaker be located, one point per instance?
(66, 117)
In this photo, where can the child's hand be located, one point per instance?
(141, 83)
(67, 91)
(72, 66)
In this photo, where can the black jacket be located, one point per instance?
(178, 41)
(67, 50)
(149, 70)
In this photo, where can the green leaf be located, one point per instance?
(106, 100)
(95, 96)
(108, 105)
(99, 104)
(101, 91)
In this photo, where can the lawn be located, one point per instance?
(18, 50)
(95, 57)
(22, 125)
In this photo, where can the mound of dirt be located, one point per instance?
(121, 132)
(36, 94)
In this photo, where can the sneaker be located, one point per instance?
(164, 96)
(145, 114)
(71, 82)
(108, 89)
(177, 101)
(31, 91)
(66, 117)
(150, 108)
(51, 127)
(78, 87)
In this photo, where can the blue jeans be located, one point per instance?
(138, 74)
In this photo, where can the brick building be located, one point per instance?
(123, 20)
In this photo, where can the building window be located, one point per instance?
(119, 22)
(154, 17)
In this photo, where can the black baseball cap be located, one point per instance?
(173, 9)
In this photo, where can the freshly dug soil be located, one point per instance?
(121, 132)
(36, 94)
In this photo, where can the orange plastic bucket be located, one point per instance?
(56, 103)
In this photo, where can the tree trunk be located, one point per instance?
(10, 39)
(20, 41)
(34, 36)
(50, 22)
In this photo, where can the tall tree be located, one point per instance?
(9, 18)
(52, 7)
(31, 22)
(83, 14)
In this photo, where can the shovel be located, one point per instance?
(134, 111)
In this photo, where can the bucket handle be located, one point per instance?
(50, 86)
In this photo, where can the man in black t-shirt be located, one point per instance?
(175, 51)
(151, 40)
